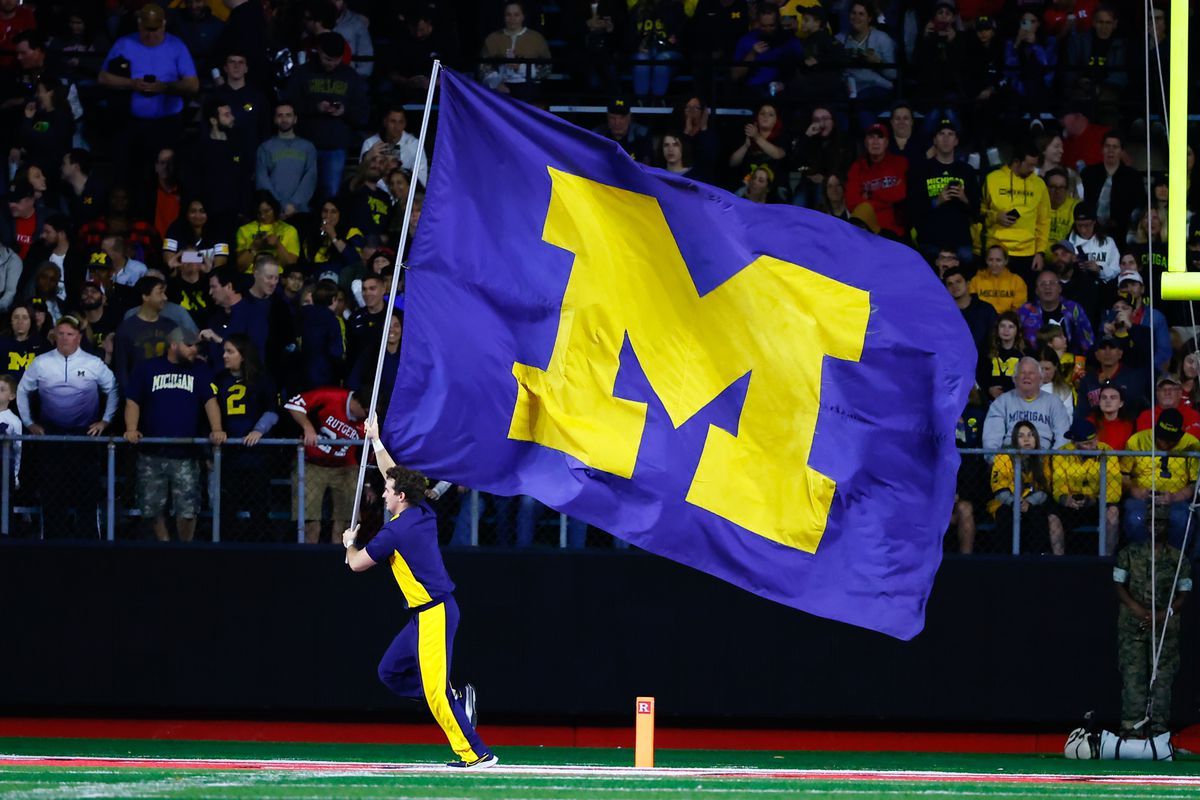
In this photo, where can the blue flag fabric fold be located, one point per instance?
(764, 393)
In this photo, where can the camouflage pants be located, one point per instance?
(160, 476)
(1136, 660)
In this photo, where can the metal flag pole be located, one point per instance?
(408, 206)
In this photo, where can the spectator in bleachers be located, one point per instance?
(705, 145)
(319, 17)
(1167, 481)
(1078, 285)
(22, 225)
(197, 27)
(1098, 252)
(943, 196)
(996, 284)
(1076, 483)
(10, 277)
(165, 398)
(759, 186)
(1052, 148)
(43, 291)
(287, 165)
(98, 322)
(764, 143)
(871, 79)
(1041, 528)
(514, 41)
(817, 68)
(217, 174)
(193, 234)
(979, 316)
(331, 101)
(906, 140)
(633, 137)
(1029, 61)
(983, 76)
(1096, 63)
(1113, 189)
(248, 404)
(1148, 231)
(333, 243)
(998, 362)
(363, 371)
(233, 314)
(1026, 401)
(322, 341)
(365, 201)
(54, 246)
(1107, 415)
(1053, 381)
(833, 200)
(250, 105)
(83, 190)
(654, 34)
(939, 59)
(1062, 205)
(419, 41)
(48, 128)
(1082, 140)
(68, 383)
(158, 72)
(717, 26)
(1168, 393)
(1050, 307)
(142, 336)
(10, 423)
(246, 32)
(397, 142)
(1113, 368)
(14, 20)
(1131, 286)
(188, 286)
(879, 180)
(20, 344)
(118, 220)
(126, 271)
(819, 152)
(264, 294)
(327, 412)
(675, 156)
(267, 234)
(366, 323)
(1016, 212)
(354, 28)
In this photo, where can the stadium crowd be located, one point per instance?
(204, 203)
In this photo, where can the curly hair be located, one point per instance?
(408, 482)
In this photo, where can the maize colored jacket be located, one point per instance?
(1062, 225)
(1081, 475)
(1005, 292)
(1002, 481)
(1003, 191)
(1178, 472)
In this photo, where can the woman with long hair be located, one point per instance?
(1050, 145)
(1041, 528)
(675, 154)
(764, 142)
(833, 197)
(192, 234)
(267, 233)
(1004, 353)
(333, 243)
(1053, 381)
(20, 344)
(248, 403)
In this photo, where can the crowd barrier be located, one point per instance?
(91, 488)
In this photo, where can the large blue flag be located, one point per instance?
(764, 393)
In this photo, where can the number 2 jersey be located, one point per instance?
(328, 408)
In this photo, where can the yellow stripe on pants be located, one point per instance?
(431, 655)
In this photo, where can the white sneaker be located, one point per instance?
(483, 762)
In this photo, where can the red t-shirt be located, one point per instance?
(1191, 419)
(1086, 147)
(1114, 434)
(328, 410)
(1055, 20)
(24, 232)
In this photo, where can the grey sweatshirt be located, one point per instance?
(1045, 411)
(287, 168)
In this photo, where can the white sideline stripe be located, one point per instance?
(357, 767)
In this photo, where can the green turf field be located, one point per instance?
(377, 771)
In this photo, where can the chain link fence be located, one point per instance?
(1079, 502)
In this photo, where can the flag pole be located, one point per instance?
(399, 265)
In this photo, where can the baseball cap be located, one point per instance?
(1085, 211)
(1129, 275)
(331, 44)
(151, 16)
(1167, 379)
(181, 336)
(985, 23)
(878, 129)
(945, 4)
(816, 11)
(1169, 427)
(100, 260)
(67, 319)
(1082, 430)
(945, 124)
(1107, 341)
(618, 105)
(19, 190)
(1063, 244)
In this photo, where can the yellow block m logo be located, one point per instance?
(775, 320)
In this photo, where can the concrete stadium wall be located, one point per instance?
(548, 636)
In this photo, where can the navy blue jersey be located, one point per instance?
(409, 545)
(242, 406)
(171, 398)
